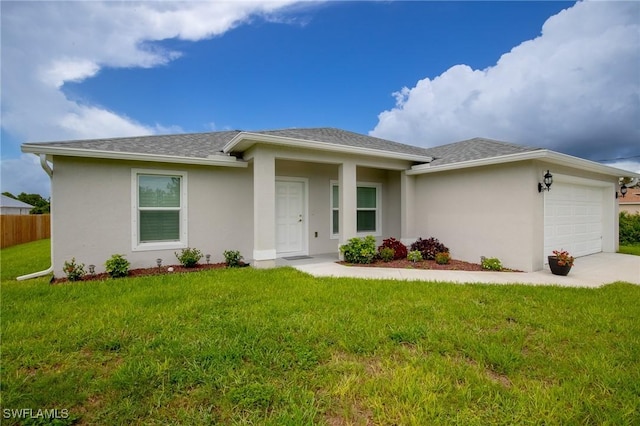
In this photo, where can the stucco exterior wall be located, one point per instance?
(91, 211)
(496, 211)
(492, 211)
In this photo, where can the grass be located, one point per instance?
(280, 347)
(24, 259)
(630, 249)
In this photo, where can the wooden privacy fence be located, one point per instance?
(19, 229)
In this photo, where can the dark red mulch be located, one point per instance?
(145, 272)
(453, 265)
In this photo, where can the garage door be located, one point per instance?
(573, 216)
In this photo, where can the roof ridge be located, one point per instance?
(490, 140)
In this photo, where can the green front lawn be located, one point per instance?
(281, 347)
(630, 249)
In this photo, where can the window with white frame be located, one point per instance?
(159, 209)
(368, 213)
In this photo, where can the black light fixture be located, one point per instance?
(548, 180)
(623, 190)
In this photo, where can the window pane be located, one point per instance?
(159, 191)
(366, 221)
(159, 225)
(366, 198)
(335, 196)
(336, 218)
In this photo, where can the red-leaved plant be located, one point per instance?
(564, 258)
(399, 249)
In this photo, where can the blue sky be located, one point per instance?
(560, 75)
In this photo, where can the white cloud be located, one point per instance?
(63, 70)
(24, 174)
(575, 89)
(45, 44)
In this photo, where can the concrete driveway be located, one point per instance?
(588, 271)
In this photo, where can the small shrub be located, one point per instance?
(429, 247)
(189, 257)
(75, 271)
(491, 263)
(359, 250)
(399, 249)
(414, 256)
(443, 258)
(232, 258)
(386, 254)
(117, 266)
(629, 228)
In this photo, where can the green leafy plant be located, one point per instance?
(74, 271)
(232, 258)
(117, 266)
(443, 258)
(564, 258)
(399, 249)
(189, 257)
(386, 254)
(359, 250)
(491, 263)
(429, 247)
(629, 228)
(414, 256)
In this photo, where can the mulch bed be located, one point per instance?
(453, 265)
(145, 272)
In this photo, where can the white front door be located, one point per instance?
(290, 217)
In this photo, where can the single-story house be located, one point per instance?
(11, 206)
(292, 192)
(630, 203)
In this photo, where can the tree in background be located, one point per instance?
(40, 205)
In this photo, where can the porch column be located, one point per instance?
(348, 193)
(407, 209)
(264, 209)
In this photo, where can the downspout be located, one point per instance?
(47, 168)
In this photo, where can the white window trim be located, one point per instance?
(164, 245)
(378, 209)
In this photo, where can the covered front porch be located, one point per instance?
(308, 203)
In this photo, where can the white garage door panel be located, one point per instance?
(573, 219)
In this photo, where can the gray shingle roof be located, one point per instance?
(202, 145)
(474, 149)
(12, 202)
(346, 138)
(198, 145)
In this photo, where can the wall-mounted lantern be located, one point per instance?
(548, 180)
(623, 190)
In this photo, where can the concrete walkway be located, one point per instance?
(588, 271)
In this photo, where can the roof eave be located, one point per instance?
(244, 140)
(213, 160)
(542, 154)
